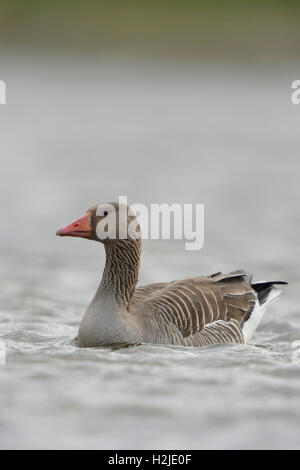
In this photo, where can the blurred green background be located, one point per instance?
(234, 28)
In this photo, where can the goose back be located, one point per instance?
(197, 311)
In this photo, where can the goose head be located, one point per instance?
(106, 222)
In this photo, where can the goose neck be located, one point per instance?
(121, 270)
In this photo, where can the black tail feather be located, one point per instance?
(263, 289)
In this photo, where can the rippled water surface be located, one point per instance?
(75, 132)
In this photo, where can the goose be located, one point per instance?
(198, 311)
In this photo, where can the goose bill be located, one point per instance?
(80, 228)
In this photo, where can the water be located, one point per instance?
(76, 132)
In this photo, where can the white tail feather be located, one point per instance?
(258, 312)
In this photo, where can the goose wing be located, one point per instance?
(191, 305)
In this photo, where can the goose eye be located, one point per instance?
(105, 213)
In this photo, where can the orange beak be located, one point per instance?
(79, 228)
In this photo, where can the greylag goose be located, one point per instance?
(199, 311)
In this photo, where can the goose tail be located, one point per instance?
(267, 293)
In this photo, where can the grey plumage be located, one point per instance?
(197, 311)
